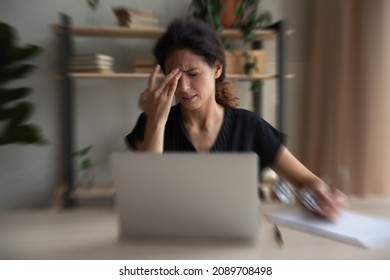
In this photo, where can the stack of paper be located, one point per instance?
(144, 65)
(352, 228)
(91, 63)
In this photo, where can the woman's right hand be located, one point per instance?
(156, 100)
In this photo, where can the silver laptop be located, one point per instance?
(187, 194)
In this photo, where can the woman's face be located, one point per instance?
(196, 86)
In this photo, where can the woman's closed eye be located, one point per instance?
(192, 74)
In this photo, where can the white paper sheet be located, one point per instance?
(353, 228)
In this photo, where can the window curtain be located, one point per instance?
(347, 115)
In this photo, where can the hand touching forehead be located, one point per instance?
(187, 62)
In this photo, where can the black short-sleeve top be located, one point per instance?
(241, 131)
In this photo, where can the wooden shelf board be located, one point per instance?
(146, 75)
(110, 75)
(243, 77)
(95, 191)
(112, 31)
(148, 32)
(235, 34)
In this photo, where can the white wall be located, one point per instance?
(106, 109)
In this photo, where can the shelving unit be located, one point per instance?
(239, 77)
(66, 31)
(150, 32)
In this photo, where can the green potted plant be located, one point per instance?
(251, 17)
(248, 17)
(209, 11)
(14, 113)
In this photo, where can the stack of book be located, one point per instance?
(131, 17)
(143, 65)
(91, 63)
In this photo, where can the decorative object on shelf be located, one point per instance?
(248, 17)
(14, 115)
(86, 170)
(251, 17)
(131, 17)
(91, 63)
(238, 61)
(143, 65)
(208, 11)
(228, 16)
(93, 6)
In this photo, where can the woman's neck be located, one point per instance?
(204, 118)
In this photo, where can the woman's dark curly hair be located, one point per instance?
(203, 41)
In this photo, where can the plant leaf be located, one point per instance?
(9, 50)
(8, 95)
(83, 151)
(256, 85)
(7, 37)
(13, 115)
(17, 54)
(19, 113)
(93, 4)
(21, 71)
(86, 164)
(24, 134)
(239, 10)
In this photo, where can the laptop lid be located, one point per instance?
(187, 194)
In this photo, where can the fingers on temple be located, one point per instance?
(168, 78)
(153, 76)
(173, 84)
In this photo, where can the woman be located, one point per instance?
(206, 119)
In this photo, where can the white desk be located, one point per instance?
(93, 234)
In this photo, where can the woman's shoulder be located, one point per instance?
(245, 118)
(243, 114)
